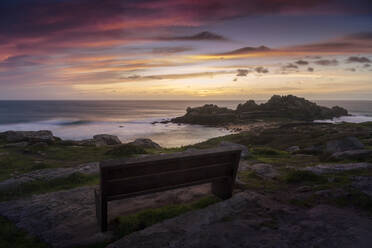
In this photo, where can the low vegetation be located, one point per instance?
(42, 186)
(125, 225)
(11, 236)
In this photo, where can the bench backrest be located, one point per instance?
(137, 176)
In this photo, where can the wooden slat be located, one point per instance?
(151, 167)
(172, 178)
(179, 155)
(161, 189)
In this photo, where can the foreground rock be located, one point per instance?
(344, 144)
(106, 140)
(29, 136)
(265, 170)
(285, 107)
(49, 174)
(145, 143)
(245, 152)
(68, 218)
(253, 220)
(354, 154)
(363, 183)
(332, 168)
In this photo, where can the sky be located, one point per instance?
(185, 49)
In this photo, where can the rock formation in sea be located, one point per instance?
(278, 107)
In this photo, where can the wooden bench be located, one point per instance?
(138, 176)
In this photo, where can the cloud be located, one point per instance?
(281, 89)
(366, 65)
(174, 76)
(327, 62)
(355, 59)
(302, 62)
(351, 69)
(242, 73)
(261, 69)
(203, 36)
(170, 50)
(19, 61)
(247, 50)
(310, 69)
(360, 36)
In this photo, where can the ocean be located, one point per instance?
(129, 120)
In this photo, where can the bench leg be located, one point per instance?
(223, 188)
(101, 211)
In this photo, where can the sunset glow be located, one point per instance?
(184, 49)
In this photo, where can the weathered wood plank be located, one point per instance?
(138, 176)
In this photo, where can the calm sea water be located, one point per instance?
(129, 119)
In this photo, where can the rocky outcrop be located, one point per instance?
(48, 174)
(145, 143)
(285, 107)
(208, 114)
(353, 154)
(253, 220)
(293, 149)
(29, 136)
(106, 140)
(265, 170)
(245, 152)
(344, 144)
(363, 183)
(68, 218)
(334, 168)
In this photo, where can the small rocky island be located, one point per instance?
(279, 108)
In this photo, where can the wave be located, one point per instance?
(351, 119)
(67, 122)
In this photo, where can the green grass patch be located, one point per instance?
(11, 236)
(267, 151)
(125, 150)
(298, 176)
(42, 186)
(254, 182)
(125, 225)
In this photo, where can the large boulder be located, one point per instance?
(352, 154)
(145, 143)
(245, 152)
(106, 140)
(30, 136)
(265, 170)
(333, 168)
(344, 144)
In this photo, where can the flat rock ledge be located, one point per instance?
(49, 174)
(252, 220)
(68, 218)
(332, 168)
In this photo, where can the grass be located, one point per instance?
(298, 176)
(22, 160)
(125, 150)
(125, 225)
(42, 186)
(254, 182)
(11, 236)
